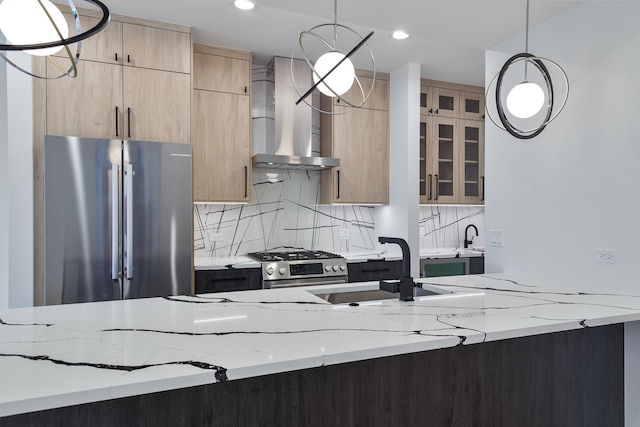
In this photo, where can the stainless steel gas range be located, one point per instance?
(300, 268)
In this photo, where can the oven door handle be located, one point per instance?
(306, 283)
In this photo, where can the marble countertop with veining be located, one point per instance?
(71, 354)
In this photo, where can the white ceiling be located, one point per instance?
(448, 37)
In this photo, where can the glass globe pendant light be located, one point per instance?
(38, 27)
(333, 72)
(527, 99)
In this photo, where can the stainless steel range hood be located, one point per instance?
(290, 143)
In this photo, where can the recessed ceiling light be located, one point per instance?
(400, 35)
(244, 4)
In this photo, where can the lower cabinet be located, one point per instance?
(437, 267)
(374, 270)
(227, 280)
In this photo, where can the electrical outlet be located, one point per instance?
(217, 237)
(344, 234)
(607, 255)
(497, 237)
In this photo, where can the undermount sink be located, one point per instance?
(358, 296)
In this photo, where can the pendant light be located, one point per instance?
(39, 28)
(526, 100)
(333, 72)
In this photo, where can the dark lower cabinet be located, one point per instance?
(573, 378)
(373, 270)
(241, 279)
(476, 265)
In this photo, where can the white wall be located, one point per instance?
(574, 188)
(400, 217)
(16, 185)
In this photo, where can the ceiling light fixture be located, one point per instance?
(244, 4)
(526, 99)
(333, 72)
(38, 27)
(399, 35)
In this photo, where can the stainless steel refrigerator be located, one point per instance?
(118, 219)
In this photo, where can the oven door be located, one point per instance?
(309, 281)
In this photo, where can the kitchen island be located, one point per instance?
(288, 356)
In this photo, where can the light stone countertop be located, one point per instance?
(72, 354)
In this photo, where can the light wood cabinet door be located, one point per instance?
(444, 151)
(221, 74)
(160, 49)
(379, 98)
(361, 142)
(88, 106)
(221, 147)
(157, 105)
(472, 106)
(471, 160)
(105, 46)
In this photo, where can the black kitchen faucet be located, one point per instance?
(467, 242)
(405, 285)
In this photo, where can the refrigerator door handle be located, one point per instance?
(129, 230)
(115, 204)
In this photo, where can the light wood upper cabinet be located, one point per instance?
(158, 105)
(221, 146)
(360, 139)
(105, 46)
(221, 125)
(379, 98)
(451, 143)
(158, 48)
(81, 107)
(221, 70)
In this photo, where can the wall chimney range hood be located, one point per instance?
(284, 138)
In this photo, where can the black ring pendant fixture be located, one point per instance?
(64, 42)
(541, 65)
(509, 127)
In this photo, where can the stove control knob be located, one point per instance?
(335, 268)
(282, 271)
(270, 270)
(327, 268)
(343, 267)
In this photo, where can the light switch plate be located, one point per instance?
(497, 238)
(344, 234)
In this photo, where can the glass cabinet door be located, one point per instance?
(472, 106)
(472, 161)
(446, 102)
(427, 164)
(447, 167)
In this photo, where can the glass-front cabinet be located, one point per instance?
(451, 146)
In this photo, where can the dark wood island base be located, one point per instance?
(573, 378)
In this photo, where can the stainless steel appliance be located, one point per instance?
(300, 268)
(118, 219)
(289, 142)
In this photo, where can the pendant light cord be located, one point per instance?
(335, 23)
(526, 41)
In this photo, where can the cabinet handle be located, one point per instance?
(245, 89)
(246, 181)
(430, 110)
(437, 187)
(437, 111)
(116, 56)
(117, 111)
(129, 121)
(338, 182)
(430, 187)
(482, 199)
(227, 279)
(375, 270)
(128, 58)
